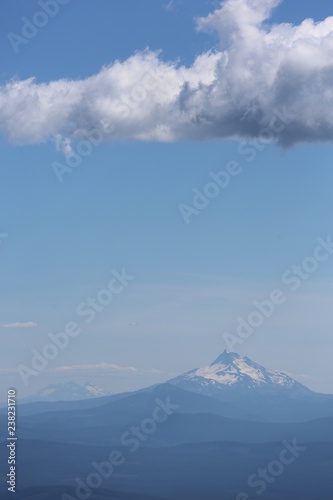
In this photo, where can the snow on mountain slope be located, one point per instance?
(232, 373)
(67, 391)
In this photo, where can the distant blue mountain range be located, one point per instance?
(199, 436)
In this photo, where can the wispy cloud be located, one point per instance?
(228, 93)
(108, 367)
(101, 366)
(3, 236)
(6, 371)
(27, 324)
(169, 6)
(104, 367)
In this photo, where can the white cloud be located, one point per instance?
(108, 367)
(229, 93)
(27, 324)
(169, 5)
(100, 366)
(134, 323)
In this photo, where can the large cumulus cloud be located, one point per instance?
(232, 92)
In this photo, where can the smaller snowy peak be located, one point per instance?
(68, 391)
(95, 390)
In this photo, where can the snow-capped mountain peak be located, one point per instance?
(68, 391)
(232, 372)
(226, 357)
(231, 368)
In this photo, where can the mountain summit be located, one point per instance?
(67, 391)
(232, 373)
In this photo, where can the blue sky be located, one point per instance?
(120, 208)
